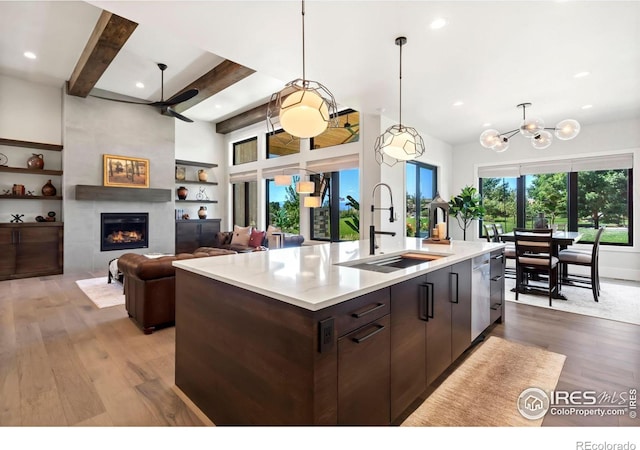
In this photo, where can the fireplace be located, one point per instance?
(121, 231)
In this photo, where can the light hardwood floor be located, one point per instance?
(63, 362)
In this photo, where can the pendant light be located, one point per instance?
(304, 108)
(533, 129)
(398, 142)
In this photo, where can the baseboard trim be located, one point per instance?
(192, 406)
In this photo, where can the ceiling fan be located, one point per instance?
(162, 104)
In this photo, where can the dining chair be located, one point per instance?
(587, 257)
(534, 255)
(489, 232)
(509, 250)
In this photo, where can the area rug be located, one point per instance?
(484, 390)
(619, 300)
(101, 293)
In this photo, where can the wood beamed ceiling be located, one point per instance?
(107, 39)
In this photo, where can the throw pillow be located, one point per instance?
(219, 239)
(228, 235)
(241, 235)
(256, 238)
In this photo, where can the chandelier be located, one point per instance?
(304, 108)
(533, 129)
(398, 142)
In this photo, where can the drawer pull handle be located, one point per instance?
(495, 306)
(498, 257)
(498, 278)
(373, 333)
(364, 313)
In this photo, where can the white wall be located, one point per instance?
(597, 139)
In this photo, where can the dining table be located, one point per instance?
(560, 241)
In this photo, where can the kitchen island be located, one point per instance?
(301, 336)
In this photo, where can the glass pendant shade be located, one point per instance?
(282, 180)
(312, 202)
(501, 145)
(530, 127)
(305, 187)
(489, 138)
(567, 129)
(542, 140)
(304, 114)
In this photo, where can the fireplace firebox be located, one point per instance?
(121, 231)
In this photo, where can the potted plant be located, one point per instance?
(466, 207)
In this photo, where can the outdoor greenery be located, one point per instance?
(411, 216)
(602, 201)
(351, 218)
(287, 216)
(466, 207)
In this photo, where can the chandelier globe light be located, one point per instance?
(531, 128)
(399, 142)
(304, 108)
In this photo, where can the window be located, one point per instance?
(577, 201)
(283, 206)
(499, 200)
(281, 143)
(347, 131)
(421, 189)
(341, 221)
(245, 151)
(245, 203)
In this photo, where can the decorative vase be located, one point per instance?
(541, 221)
(182, 192)
(49, 189)
(180, 173)
(202, 212)
(36, 161)
(18, 189)
(202, 175)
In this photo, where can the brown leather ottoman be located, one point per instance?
(150, 286)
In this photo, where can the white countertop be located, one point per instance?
(308, 276)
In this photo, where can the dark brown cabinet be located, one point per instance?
(191, 234)
(430, 328)
(497, 263)
(28, 250)
(363, 375)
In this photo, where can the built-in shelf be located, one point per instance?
(122, 194)
(28, 144)
(182, 162)
(212, 183)
(31, 197)
(195, 201)
(31, 224)
(31, 171)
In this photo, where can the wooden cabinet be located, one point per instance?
(460, 285)
(28, 250)
(191, 234)
(363, 375)
(430, 328)
(497, 262)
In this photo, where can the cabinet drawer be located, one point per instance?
(359, 311)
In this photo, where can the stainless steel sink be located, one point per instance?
(391, 263)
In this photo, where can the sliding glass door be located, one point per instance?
(421, 189)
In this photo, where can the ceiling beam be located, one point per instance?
(255, 115)
(109, 35)
(220, 77)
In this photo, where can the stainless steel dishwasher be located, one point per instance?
(480, 295)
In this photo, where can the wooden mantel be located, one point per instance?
(122, 194)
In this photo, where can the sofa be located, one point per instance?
(150, 285)
(248, 239)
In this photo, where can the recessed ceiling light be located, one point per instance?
(438, 23)
(139, 85)
(582, 74)
(488, 124)
(30, 55)
(458, 103)
(587, 107)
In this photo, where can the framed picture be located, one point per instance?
(124, 171)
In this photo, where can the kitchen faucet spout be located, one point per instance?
(372, 229)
